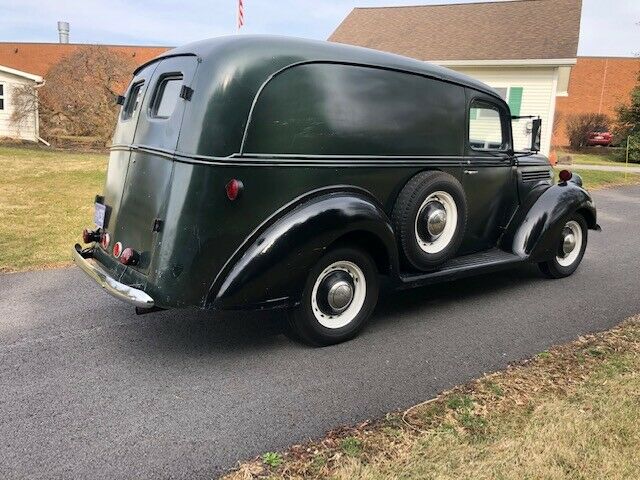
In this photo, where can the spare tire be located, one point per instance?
(430, 217)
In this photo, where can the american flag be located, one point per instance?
(240, 14)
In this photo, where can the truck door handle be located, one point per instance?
(470, 172)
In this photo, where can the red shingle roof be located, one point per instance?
(38, 58)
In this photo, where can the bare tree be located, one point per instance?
(579, 126)
(78, 98)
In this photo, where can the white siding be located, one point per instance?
(25, 130)
(538, 97)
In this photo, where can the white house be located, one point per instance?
(525, 49)
(11, 80)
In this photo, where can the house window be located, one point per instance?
(504, 93)
(511, 95)
(1, 96)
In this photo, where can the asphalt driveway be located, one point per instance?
(89, 390)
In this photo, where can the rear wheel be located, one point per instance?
(570, 250)
(340, 294)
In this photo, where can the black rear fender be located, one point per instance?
(536, 226)
(272, 269)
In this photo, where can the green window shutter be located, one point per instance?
(515, 100)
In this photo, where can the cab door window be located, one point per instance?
(486, 127)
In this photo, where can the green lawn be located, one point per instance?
(570, 413)
(46, 199)
(594, 156)
(595, 179)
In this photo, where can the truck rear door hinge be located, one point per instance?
(186, 92)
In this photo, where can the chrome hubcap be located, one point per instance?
(569, 242)
(436, 222)
(340, 296)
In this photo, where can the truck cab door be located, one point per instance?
(489, 171)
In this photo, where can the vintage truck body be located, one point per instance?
(238, 163)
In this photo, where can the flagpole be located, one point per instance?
(240, 15)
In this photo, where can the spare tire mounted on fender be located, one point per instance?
(430, 217)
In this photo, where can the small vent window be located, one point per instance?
(132, 101)
(1, 96)
(166, 96)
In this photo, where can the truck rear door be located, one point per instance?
(141, 166)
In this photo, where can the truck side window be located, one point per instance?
(133, 100)
(486, 131)
(166, 96)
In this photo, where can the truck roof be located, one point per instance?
(283, 51)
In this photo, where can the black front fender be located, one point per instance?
(534, 231)
(272, 269)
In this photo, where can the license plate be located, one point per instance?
(99, 214)
(599, 137)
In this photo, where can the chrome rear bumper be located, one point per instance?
(123, 292)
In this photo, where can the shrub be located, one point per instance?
(629, 124)
(581, 125)
(634, 148)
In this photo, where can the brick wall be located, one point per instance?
(597, 85)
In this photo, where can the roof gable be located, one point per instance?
(21, 74)
(504, 30)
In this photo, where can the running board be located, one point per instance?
(465, 266)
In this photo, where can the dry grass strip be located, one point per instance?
(570, 412)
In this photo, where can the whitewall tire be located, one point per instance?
(570, 249)
(339, 296)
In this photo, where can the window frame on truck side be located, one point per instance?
(159, 95)
(133, 100)
(487, 103)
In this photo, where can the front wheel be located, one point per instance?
(570, 250)
(340, 294)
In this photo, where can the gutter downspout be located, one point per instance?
(604, 84)
(37, 132)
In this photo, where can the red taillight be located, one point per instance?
(129, 257)
(233, 189)
(565, 175)
(105, 240)
(117, 250)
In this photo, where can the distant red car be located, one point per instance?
(600, 137)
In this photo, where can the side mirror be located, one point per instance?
(536, 135)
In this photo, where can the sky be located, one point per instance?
(609, 27)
